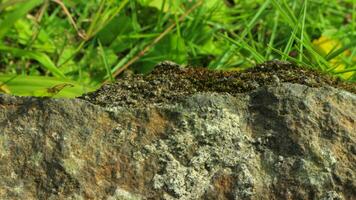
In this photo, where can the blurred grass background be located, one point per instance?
(64, 48)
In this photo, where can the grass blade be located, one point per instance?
(105, 61)
(242, 44)
(337, 52)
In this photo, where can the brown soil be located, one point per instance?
(168, 83)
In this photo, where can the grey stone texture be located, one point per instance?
(286, 141)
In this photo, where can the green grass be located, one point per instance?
(66, 48)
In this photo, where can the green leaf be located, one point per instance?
(18, 12)
(25, 36)
(38, 56)
(172, 47)
(163, 5)
(42, 86)
(118, 26)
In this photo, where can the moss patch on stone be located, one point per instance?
(168, 82)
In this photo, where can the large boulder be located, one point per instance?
(283, 141)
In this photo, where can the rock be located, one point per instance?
(286, 141)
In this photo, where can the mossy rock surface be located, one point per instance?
(169, 82)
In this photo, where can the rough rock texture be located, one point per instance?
(287, 141)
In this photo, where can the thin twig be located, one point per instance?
(40, 13)
(71, 20)
(155, 41)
